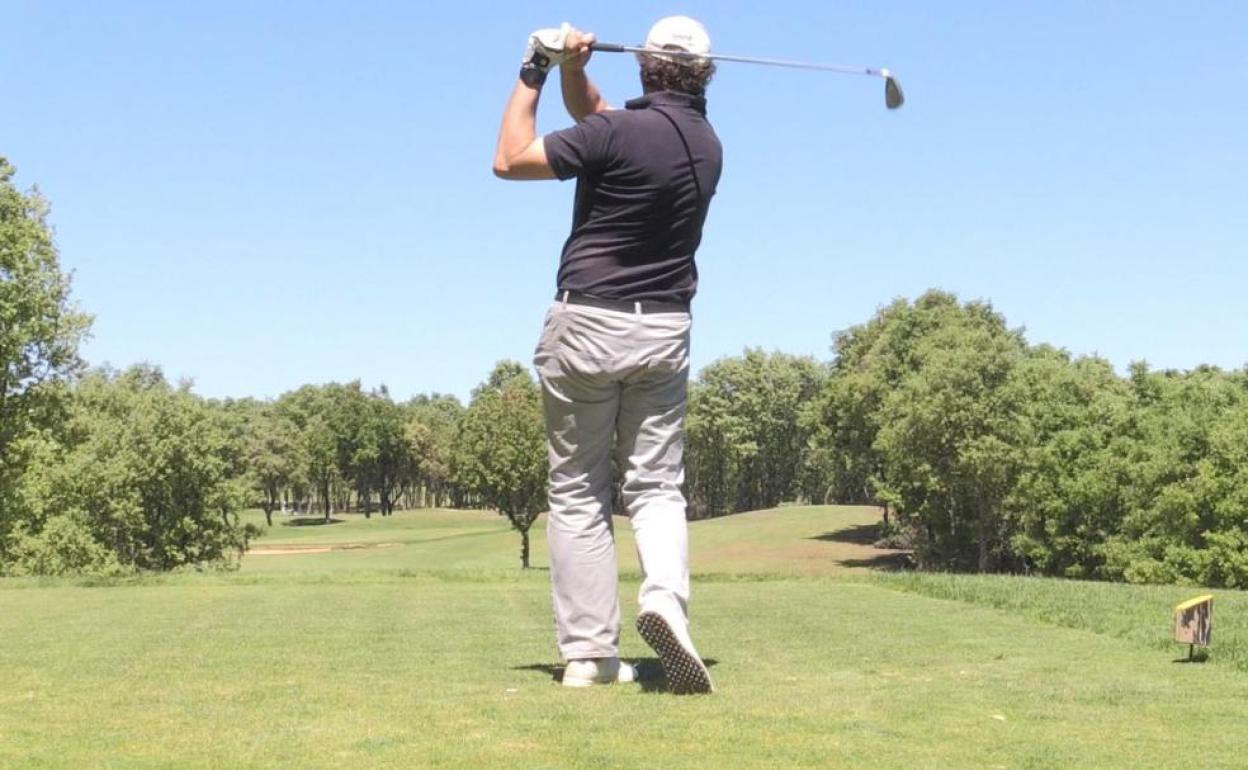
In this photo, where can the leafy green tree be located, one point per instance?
(503, 373)
(747, 445)
(1078, 436)
(871, 360)
(501, 455)
(320, 451)
(382, 453)
(430, 431)
(843, 424)
(345, 410)
(948, 440)
(997, 455)
(1186, 520)
(40, 330)
(918, 415)
(274, 458)
(142, 482)
(311, 410)
(713, 433)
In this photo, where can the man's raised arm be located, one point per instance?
(521, 154)
(580, 95)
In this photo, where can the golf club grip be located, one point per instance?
(607, 47)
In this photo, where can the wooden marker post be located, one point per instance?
(1193, 623)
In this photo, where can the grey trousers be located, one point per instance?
(613, 383)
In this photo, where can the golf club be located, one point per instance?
(893, 97)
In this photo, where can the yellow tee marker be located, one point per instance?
(1193, 623)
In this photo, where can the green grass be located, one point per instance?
(1138, 614)
(438, 652)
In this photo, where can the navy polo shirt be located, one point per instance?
(639, 209)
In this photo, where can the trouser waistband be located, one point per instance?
(621, 305)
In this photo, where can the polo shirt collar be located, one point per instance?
(668, 98)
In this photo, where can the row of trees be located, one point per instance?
(747, 446)
(137, 474)
(984, 452)
(999, 455)
(991, 454)
(110, 472)
(338, 447)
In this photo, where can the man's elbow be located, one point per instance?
(521, 168)
(508, 168)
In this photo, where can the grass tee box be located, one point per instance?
(439, 653)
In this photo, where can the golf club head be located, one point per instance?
(893, 97)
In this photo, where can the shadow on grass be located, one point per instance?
(859, 534)
(892, 561)
(310, 522)
(649, 672)
(866, 535)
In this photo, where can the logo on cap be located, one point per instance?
(679, 32)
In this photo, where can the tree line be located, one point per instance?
(984, 452)
(138, 474)
(987, 453)
(111, 472)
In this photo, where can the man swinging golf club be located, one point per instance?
(613, 357)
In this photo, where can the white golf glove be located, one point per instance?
(542, 53)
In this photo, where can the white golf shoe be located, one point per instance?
(591, 671)
(685, 671)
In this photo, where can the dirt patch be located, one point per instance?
(287, 550)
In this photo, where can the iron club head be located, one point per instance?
(893, 97)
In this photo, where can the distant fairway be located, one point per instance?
(786, 541)
(424, 645)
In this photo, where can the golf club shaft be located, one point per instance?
(617, 48)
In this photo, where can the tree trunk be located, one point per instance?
(384, 490)
(524, 548)
(984, 565)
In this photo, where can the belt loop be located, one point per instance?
(637, 307)
(565, 297)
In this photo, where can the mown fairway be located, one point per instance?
(424, 645)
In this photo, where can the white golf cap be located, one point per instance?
(679, 32)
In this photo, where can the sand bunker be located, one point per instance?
(286, 550)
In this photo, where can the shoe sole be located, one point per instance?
(686, 674)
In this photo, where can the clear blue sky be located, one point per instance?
(262, 195)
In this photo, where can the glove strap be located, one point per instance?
(532, 75)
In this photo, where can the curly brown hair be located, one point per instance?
(684, 77)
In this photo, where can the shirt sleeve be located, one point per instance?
(583, 148)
